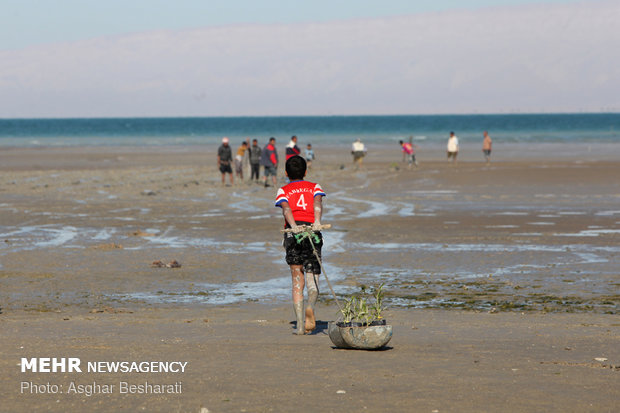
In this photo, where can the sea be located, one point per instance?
(588, 128)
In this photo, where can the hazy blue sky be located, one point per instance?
(231, 58)
(29, 22)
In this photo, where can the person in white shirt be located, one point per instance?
(358, 150)
(453, 147)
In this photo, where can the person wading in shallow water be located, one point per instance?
(452, 147)
(358, 150)
(224, 159)
(301, 203)
(269, 160)
(486, 146)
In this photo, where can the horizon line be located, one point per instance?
(611, 112)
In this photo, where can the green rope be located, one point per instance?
(307, 234)
(313, 236)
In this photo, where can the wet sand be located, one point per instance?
(502, 281)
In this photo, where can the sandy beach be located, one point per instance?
(502, 281)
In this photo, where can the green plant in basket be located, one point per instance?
(377, 307)
(364, 308)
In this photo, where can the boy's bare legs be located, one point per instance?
(313, 293)
(298, 296)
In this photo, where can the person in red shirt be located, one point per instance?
(292, 149)
(409, 153)
(301, 203)
(269, 159)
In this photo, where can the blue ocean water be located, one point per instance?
(538, 128)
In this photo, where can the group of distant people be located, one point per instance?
(358, 150)
(267, 157)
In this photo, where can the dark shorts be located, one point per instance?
(302, 254)
(487, 152)
(225, 168)
(452, 154)
(271, 170)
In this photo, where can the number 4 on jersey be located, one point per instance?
(302, 202)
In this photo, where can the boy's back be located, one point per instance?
(300, 196)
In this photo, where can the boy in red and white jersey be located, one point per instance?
(301, 203)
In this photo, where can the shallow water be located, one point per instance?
(433, 243)
(477, 275)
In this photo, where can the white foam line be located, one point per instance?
(607, 213)
(63, 236)
(104, 234)
(333, 242)
(512, 213)
(407, 211)
(115, 211)
(376, 208)
(541, 223)
(22, 230)
(334, 211)
(589, 258)
(590, 233)
(483, 247)
(243, 205)
(180, 242)
(571, 213)
(502, 226)
(8, 207)
(498, 272)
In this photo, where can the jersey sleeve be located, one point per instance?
(318, 190)
(281, 197)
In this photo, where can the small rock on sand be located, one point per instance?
(160, 264)
(140, 233)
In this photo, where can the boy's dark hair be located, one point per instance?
(296, 167)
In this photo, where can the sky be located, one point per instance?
(83, 58)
